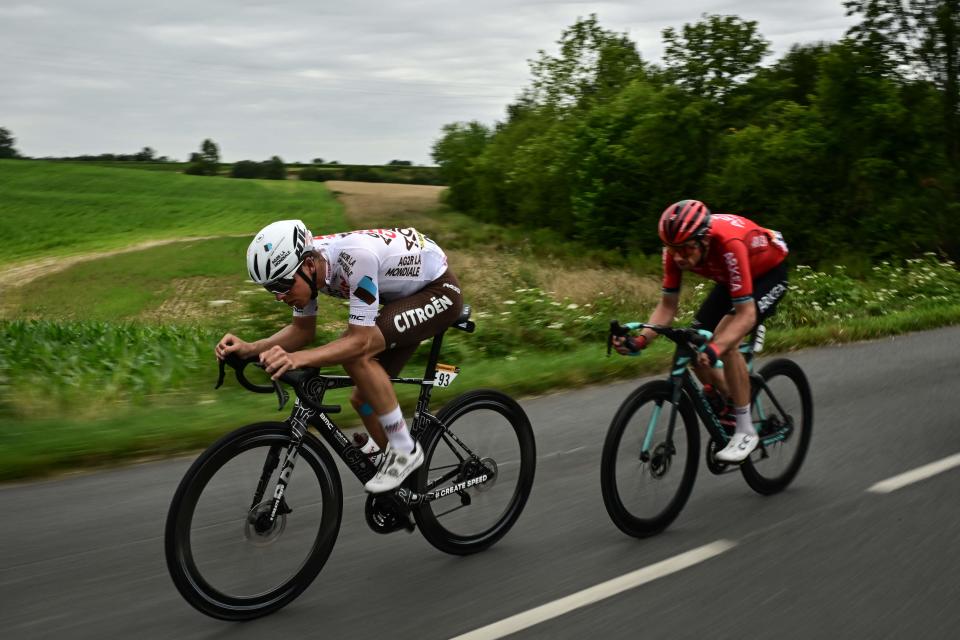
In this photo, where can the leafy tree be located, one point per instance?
(881, 35)
(455, 152)
(713, 56)
(939, 50)
(209, 152)
(919, 38)
(6, 144)
(205, 163)
(274, 169)
(838, 145)
(312, 173)
(145, 155)
(593, 64)
(400, 163)
(246, 169)
(799, 70)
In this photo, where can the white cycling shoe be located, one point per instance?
(394, 469)
(739, 448)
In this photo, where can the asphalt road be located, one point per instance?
(82, 557)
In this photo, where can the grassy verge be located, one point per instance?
(178, 423)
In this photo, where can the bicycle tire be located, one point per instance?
(627, 518)
(496, 449)
(753, 469)
(192, 581)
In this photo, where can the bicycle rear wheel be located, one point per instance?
(646, 479)
(222, 554)
(487, 435)
(782, 409)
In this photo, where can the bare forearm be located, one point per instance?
(663, 314)
(339, 351)
(290, 338)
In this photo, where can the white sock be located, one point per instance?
(397, 432)
(744, 421)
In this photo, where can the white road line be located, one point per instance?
(599, 592)
(918, 474)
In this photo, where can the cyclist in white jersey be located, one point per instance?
(402, 270)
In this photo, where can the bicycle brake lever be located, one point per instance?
(615, 330)
(282, 396)
(223, 373)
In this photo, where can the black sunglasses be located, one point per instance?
(280, 286)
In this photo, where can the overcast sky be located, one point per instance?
(352, 80)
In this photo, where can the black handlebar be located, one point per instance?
(694, 339)
(296, 378)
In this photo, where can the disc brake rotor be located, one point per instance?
(660, 461)
(257, 528)
(489, 466)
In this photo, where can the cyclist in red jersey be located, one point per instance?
(748, 263)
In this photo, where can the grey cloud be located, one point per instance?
(362, 81)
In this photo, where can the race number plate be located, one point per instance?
(444, 375)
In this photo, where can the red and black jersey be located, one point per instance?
(737, 251)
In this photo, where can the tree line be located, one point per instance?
(850, 148)
(207, 162)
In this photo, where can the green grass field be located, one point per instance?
(52, 209)
(111, 359)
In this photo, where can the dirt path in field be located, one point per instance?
(21, 274)
(369, 204)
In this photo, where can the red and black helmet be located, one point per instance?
(683, 221)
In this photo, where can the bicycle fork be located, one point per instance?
(676, 381)
(278, 506)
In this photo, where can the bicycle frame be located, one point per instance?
(683, 382)
(310, 411)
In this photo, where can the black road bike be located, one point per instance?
(650, 455)
(245, 534)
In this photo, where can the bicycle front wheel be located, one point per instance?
(224, 556)
(486, 434)
(782, 411)
(646, 475)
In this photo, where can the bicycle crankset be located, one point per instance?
(257, 527)
(384, 515)
(715, 466)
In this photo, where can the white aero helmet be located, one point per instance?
(277, 251)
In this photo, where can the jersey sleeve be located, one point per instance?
(671, 274)
(739, 277)
(364, 291)
(308, 311)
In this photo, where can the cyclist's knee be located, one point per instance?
(359, 363)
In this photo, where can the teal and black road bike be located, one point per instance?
(651, 452)
(257, 514)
